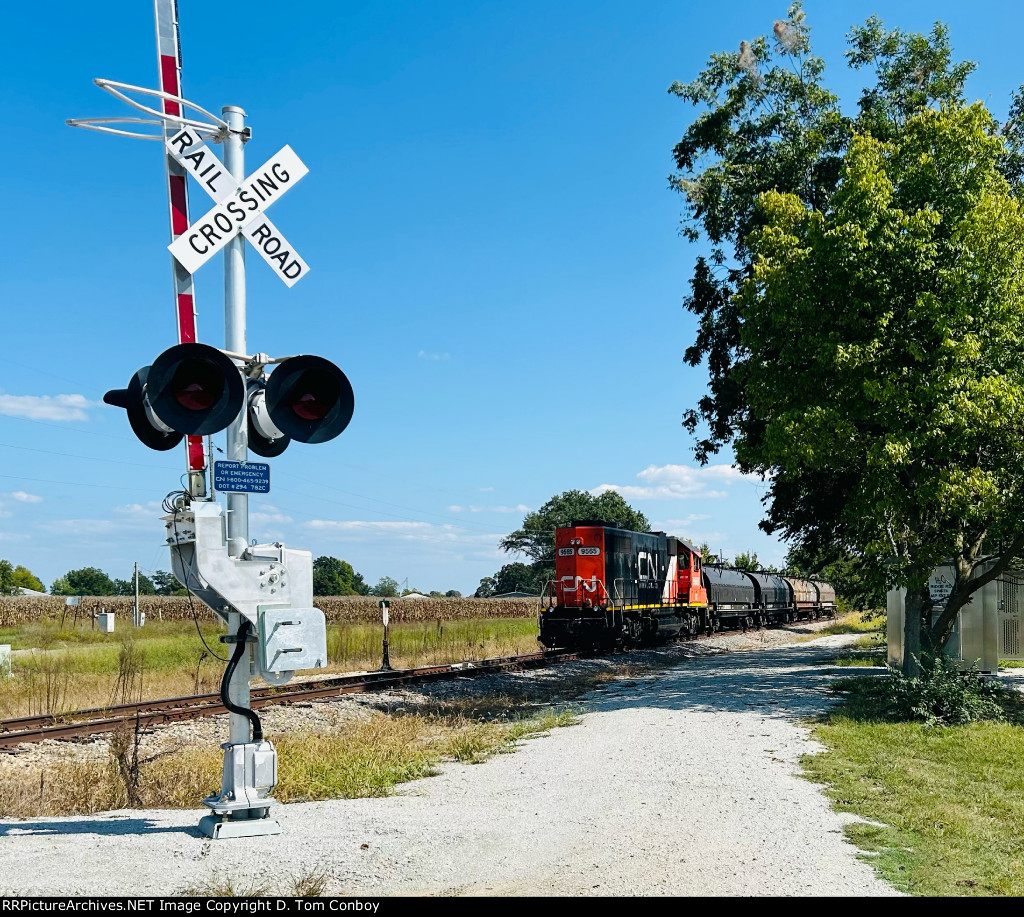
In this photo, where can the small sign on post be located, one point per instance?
(241, 477)
(384, 605)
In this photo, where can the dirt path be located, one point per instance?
(681, 782)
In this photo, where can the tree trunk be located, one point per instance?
(916, 601)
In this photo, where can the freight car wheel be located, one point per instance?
(632, 632)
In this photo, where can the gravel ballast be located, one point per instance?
(680, 782)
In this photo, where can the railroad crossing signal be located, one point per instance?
(239, 209)
(196, 390)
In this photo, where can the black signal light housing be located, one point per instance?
(309, 399)
(195, 389)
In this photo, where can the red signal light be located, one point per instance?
(197, 384)
(309, 407)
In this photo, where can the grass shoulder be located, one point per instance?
(942, 806)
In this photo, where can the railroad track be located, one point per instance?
(80, 723)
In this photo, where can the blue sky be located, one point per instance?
(494, 253)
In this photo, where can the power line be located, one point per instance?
(410, 509)
(82, 484)
(88, 458)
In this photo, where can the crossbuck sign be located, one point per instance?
(240, 208)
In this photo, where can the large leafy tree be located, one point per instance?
(387, 588)
(85, 581)
(859, 311)
(7, 585)
(167, 584)
(127, 586)
(536, 537)
(332, 576)
(23, 578)
(518, 577)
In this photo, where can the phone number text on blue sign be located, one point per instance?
(241, 477)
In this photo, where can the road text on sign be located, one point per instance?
(241, 477)
(275, 250)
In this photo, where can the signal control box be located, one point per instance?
(292, 638)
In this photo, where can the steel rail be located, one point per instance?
(97, 720)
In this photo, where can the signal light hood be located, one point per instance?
(132, 400)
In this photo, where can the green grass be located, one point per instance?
(358, 646)
(853, 622)
(865, 651)
(47, 634)
(62, 669)
(947, 802)
(364, 758)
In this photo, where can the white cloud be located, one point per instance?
(46, 407)
(670, 525)
(23, 497)
(672, 482)
(269, 515)
(424, 355)
(484, 490)
(405, 531)
(129, 518)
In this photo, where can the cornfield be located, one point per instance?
(341, 609)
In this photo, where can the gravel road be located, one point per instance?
(681, 782)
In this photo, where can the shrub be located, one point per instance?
(945, 696)
(941, 696)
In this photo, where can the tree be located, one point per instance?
(386, 588)
(359, 585)
(165, 583)
(486, 588)
(14, 579)
(127, 586)
(536, 537)
(7, 586)
(332, 576)
(863, 331)
(519, 577)
(86, 581)
(857, 580)
(453, 594)
(746, 561)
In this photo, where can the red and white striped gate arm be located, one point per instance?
(168, 49)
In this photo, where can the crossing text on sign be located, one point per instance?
(209, 234)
